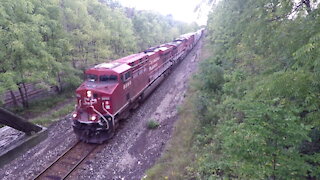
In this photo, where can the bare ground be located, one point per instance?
(133, 149)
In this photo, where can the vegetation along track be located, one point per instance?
(68, 162)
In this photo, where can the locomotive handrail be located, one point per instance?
(112, 117)
(100, 115)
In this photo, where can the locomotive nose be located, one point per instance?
(86, 97)
(87, 93)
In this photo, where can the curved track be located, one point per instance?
(68, 162)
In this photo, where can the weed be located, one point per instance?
(152, 124)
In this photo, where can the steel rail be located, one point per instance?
(65, 156)
(79, 162)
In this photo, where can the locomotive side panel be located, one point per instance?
(154, 63)
(164, 60)
(140, 77)
(117, 98)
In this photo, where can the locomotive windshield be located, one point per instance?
(108, 78)
(92, 78)
(102, 78)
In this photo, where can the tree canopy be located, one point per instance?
(52, 41)
(258, 94)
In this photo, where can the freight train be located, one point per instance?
(112, 89)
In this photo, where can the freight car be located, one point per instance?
(112, 89)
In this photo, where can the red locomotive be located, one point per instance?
(111, 89)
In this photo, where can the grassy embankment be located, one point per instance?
(178, 154)
(49, 109)
(176, 162)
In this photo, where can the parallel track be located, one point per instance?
(66, 163)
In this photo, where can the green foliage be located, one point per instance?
(211, 76)
(24, 52)
(265, 143)
(152, 28)
(152, 124)
(53, 41)
(258, 96)
(44, 105)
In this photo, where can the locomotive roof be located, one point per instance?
(163, 48)
(175, 43)
(117, 67)
(184, 36)
(107, 65)
(131, 58)
(187, 35)
(172, 45)
(122, 68)
(154, 50)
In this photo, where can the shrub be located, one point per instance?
(152, 124)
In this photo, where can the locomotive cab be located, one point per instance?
(95, 94)
(93, 120)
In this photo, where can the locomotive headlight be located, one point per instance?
(89, 93)
(107, 102)
(93, 118)
(74, 115)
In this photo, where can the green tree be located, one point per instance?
(258, 120)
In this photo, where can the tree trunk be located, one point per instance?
(22, 96)
(87, 55)
(273, 177)
(73, 62)
(14, 99)
(26, 93)
(59, 83)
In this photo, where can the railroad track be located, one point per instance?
(66, 163)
